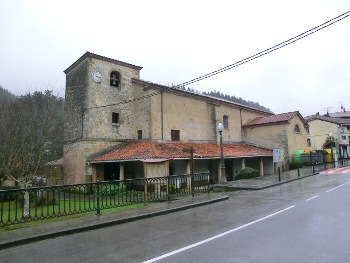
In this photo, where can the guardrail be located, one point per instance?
(37, 203)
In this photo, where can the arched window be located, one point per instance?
(115, 79)
(296, 128)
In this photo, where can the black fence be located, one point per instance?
(37, 203)
(313, 157)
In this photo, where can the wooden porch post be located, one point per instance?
(261, 166)
(243, 163)
(121, 171)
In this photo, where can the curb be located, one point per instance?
(106, 224)
(235, 188)
(282, 182)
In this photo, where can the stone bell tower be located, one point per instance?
(97, 114)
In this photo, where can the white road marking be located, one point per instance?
(217, 236)
(313, 197)
(337, 186)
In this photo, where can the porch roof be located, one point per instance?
(141, 150)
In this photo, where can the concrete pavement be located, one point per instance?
(25, 235)
(267, 181)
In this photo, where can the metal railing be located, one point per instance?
(37, 203)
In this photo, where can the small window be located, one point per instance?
(308, 130)
(115, 117)
(308, 142)
(139, 134)
(225, 121)
(296, 128)
(115, 79)
(175, 135)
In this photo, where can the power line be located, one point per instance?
(269, 50)
(243, 61)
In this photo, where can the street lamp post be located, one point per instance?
(220, 128)
(331, 140)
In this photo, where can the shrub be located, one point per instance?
(73, 191)
(8, 195)
(8, 187)
(21, 195)
(79, 191)
(247, 173)
(45, 200)
(173, 190)
(113, 189)
(295, 165)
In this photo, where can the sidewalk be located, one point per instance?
(268, 181)
(25, 235)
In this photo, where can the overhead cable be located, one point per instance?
(243, 61)
(269, 50)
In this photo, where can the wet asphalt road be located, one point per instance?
(304, 221)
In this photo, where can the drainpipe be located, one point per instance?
(240, 115)
(162, 114)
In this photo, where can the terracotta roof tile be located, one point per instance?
(283, 117)
(328, 119)
(155, 150)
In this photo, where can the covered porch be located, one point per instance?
(141, 159)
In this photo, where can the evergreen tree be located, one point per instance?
(239, 100)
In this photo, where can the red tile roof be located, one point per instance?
(283, 117)
(139, 150)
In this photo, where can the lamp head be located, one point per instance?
(220, 127)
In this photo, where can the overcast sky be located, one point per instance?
(176, 41)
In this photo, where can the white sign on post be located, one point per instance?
(278, 155)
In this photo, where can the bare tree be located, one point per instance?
(31, 134)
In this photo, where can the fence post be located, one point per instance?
(192, 184)
(208, 178)
(311, 158)
(98, 209)
(279, 173)
(145, 192)
(298, 171)
(168, 187)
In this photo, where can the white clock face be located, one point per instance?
(97, 76)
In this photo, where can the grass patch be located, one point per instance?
(61, 218)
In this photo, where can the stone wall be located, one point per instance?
(296, 140)
(319, 131)
(104, 99)
(75, 100)
(269, 136)
(279, 136)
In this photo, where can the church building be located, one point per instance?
(118, 126)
